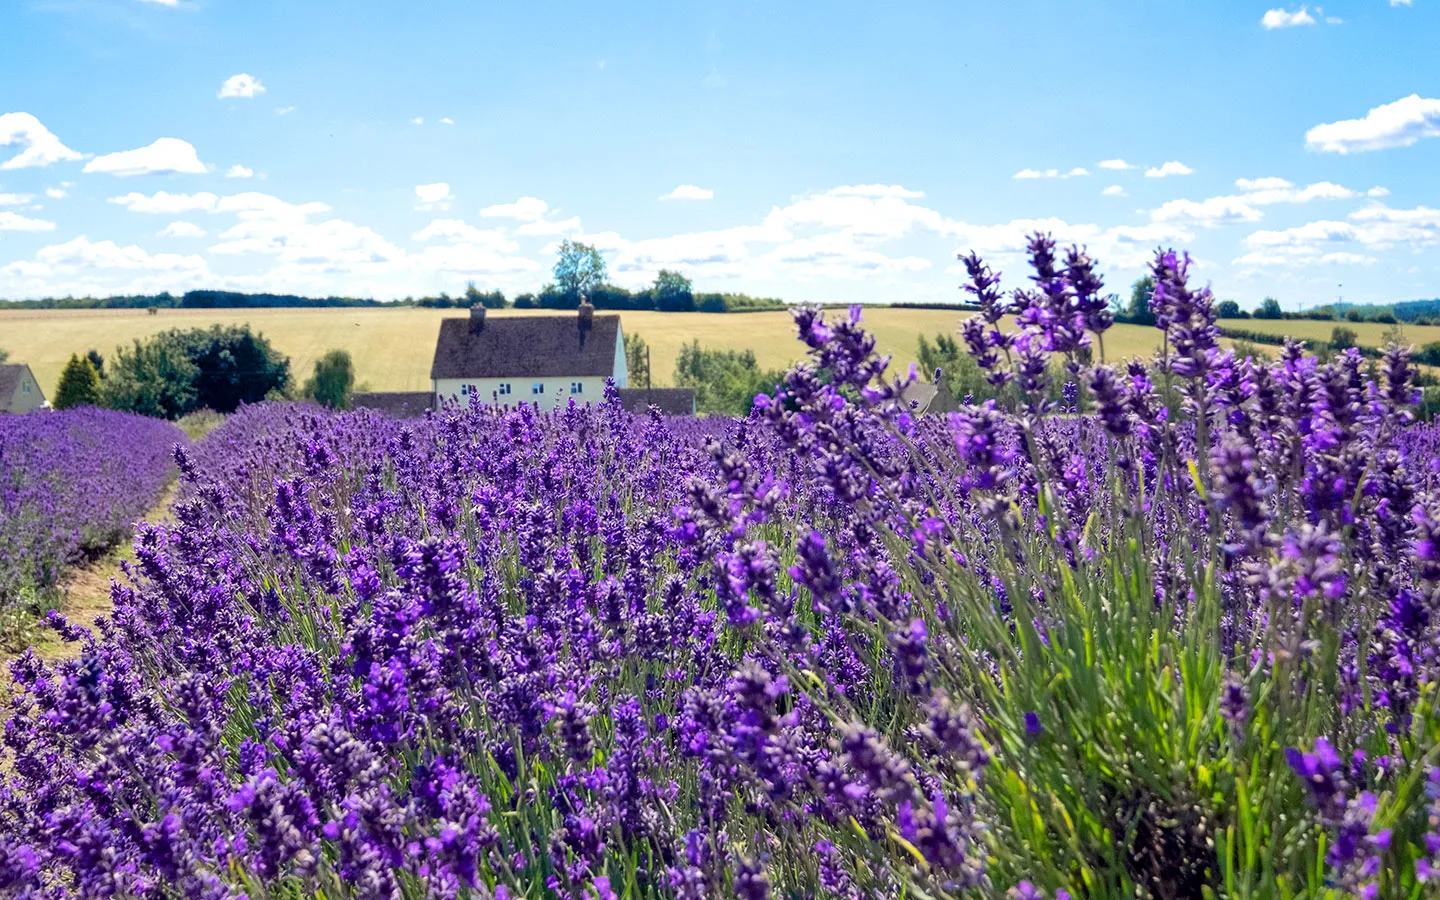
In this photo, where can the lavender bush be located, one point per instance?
(71, 483)
(1183, 647)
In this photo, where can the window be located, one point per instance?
(504, 389)
(537, 388)
(25, 388)
(577, 388)
(467, 389)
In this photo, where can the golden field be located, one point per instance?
(392, 347)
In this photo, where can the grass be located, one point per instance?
(392, 348)
(1369, 334)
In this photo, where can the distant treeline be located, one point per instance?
(603, 297)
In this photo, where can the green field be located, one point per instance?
(1369, 334)
(392, 348)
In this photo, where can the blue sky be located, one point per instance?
(813, 151)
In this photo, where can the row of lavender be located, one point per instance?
(833, 650)
(71, 483)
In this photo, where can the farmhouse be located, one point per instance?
(19, 392)
(522, 359)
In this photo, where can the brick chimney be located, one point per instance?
(477, 319)
(586, 317)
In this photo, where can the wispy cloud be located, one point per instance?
(165, 156)
(689, 192)
(1397, 124)
(1168, 169)
(239, 171)
(241, 85)
(38, 147)
(1279, 18)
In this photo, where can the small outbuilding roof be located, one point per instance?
(670, 401)
(526, 346)
(400, 404)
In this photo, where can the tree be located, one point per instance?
(672, 292)
(637, 360)
(579, 269)
(525, 301)
(234, 365)
(79, 384)
(475, 297)
(153, 379)
(1138, 312)
(1227, 309)
(4, 355)
(1342, 338)
(1269, 309)
(333, 379)
(96, 360)
(725, 381)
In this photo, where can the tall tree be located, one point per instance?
(333, 379)
(1138, 312)
(672, 292)
(1269, 309)
(637, 360)
(79, 384)
(96, 360)
(579, 269)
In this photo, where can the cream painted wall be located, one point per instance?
(27, 395)
(557, 391)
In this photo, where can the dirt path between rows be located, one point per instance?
(86, 588)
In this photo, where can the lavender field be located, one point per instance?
(1180, 645)
(71, 483)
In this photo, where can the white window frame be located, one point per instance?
(538, 388)
(577, 387)
(504, 389)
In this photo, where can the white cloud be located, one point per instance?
(284, 110)
(875, 190)
(1279, 18)
(82, 265)
(241, 85)
(10, 221)
(1168, 169)
(38, 146)
(460, 231)
(418, 120)
(56, 193)
(548, 228)
(165, 202)
(1397, 124)
(689, 192)
(1114, 190)
(239, 171)
(1256, 192)
(447, 121)
(15, 199)
(1206, 213)
(526, 209)
(1401, 2)
(1378, 192)
(1027, 174)
(434, 195)
(182, 230)
(1371, 229)
(1116, 164)
(170, 3)
(165, 156)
